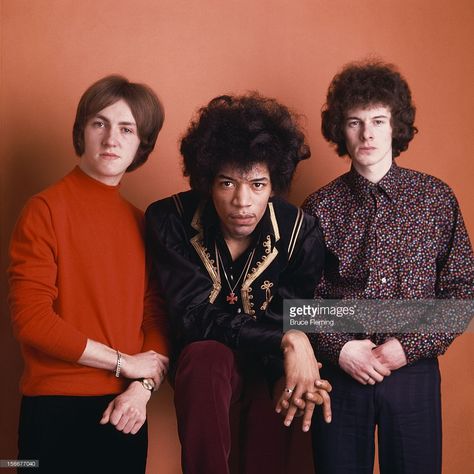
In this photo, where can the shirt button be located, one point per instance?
(384, 280)
(238, 311)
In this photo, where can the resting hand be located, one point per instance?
(301, 375)
(391, 354)
(315, 397)
(149, 364)
(358, 359)
(127, 411)
(283, 399)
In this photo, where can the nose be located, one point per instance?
(110, 136)
(367, 132)
(241, 197)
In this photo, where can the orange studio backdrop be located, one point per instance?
(190, 51)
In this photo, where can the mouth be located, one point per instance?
(242, 219)
(109, 156)
(366, 149)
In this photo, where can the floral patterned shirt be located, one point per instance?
(402, 238)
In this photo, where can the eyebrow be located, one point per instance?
(371, 118)
(105, 119)
(223, 176)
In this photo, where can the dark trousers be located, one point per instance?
(64, 434)
(209, 379)
(405, 407)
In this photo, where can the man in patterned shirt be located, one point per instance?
(391, 233)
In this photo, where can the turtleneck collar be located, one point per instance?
(92, 184)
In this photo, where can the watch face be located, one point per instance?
(148, 385)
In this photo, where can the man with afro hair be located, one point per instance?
(227, 253)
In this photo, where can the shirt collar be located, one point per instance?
(390, 184)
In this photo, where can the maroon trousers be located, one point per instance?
(209, 380)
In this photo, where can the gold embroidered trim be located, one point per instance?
(251, 277)
(267, 285)
(205, 256)
(261, 265)
(267, 244)
(295, 233)
(276, 230)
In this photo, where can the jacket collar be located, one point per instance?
(206, 221)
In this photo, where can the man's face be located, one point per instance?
(368, 134)
(240, 198)
(110, 143)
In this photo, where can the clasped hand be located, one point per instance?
(302, 388)
(127, 411)
(370, 364)
(144, 365)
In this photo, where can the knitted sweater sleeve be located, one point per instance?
(34, 288)
(154, 325)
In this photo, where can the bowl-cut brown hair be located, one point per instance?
(146, 108)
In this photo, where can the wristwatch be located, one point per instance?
(148, 384)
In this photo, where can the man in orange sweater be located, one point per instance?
(89, 325)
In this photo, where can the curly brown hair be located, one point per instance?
(242, 131)
(362, 84)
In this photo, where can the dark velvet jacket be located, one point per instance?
(183, 233)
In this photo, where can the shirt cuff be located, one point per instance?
(328, 346)
(424, 346)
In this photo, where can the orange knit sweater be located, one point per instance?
(78, 271)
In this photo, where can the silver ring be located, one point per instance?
(289, 390)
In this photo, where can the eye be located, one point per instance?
(379, 122)
(127, 130)
(353, 123)
(98, 124)
(259, 186)
(227, 184)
